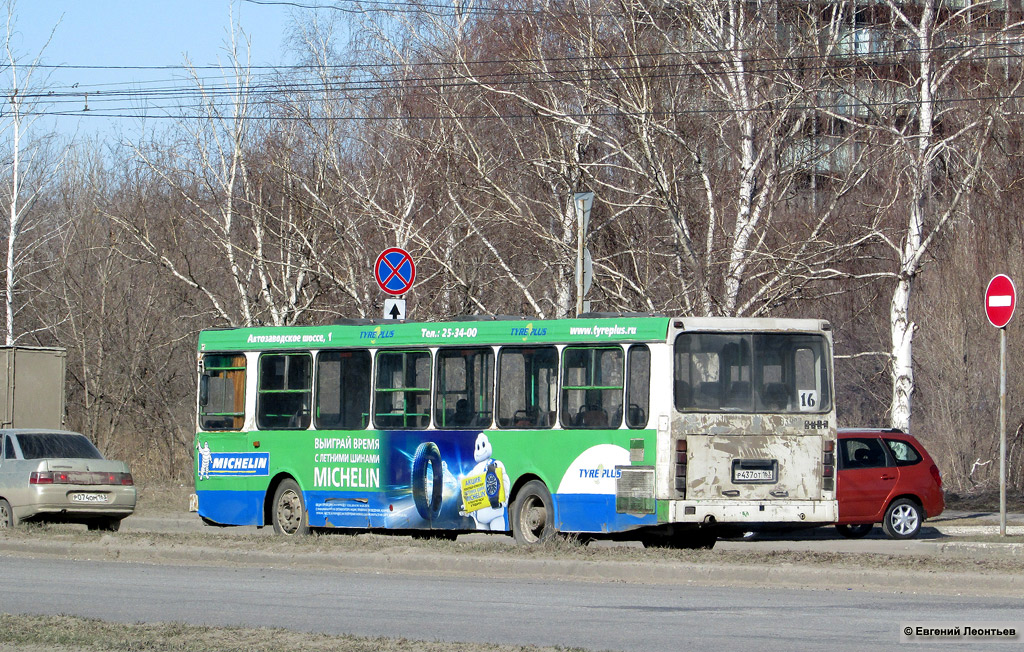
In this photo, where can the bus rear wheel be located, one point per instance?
(289, 510)
(533, 514)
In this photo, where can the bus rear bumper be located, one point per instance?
(731, 511)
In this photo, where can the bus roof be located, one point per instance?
(625, 328)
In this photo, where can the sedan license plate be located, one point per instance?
(88, 498)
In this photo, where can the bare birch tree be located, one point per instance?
(720, 97)
(32, 166)
(255, 260)
(937, 113)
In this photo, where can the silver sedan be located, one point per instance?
(56, 475)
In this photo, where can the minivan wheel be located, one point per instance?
(902, 519)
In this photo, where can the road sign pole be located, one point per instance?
(582, 202)
(1000, 301)
(1002, 431)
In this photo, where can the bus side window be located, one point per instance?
(402, 390)
(592, 384)
(343, 390)
(222, 392)
(638, 391)
(465, 388)
(283, 397)
(527, 386)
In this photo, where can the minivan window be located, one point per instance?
(903, 452)
(866, 453)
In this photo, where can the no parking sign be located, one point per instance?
(394, 271)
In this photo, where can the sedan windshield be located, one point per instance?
(39, 445)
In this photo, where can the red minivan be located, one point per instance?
(887, 477)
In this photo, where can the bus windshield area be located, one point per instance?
(751, 372)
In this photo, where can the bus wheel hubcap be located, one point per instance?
(289, 512)
(534, 518)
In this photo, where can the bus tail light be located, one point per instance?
(681, 467)
(828, 466)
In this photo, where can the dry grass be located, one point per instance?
(162, 498)
(72, 634)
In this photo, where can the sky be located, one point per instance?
(119, 33)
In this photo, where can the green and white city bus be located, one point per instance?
(644, 427)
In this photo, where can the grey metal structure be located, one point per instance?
(32, 388)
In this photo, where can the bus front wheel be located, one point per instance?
(533, 514)
(289, 513)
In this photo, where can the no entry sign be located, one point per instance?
(394, 271)
(1000, 300)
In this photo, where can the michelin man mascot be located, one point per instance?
(492, 516)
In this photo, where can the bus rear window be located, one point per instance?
(751, 372)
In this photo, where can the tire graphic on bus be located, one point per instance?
(427, 490)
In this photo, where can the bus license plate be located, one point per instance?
(753, 475)
(89, 498)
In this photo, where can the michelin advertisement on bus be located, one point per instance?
(451, 481)
(409, 480)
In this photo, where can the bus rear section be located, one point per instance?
(753, 427)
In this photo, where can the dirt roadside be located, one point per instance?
(943, 565)
(957, 554)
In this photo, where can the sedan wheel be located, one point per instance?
(903, 519)
(6, 515)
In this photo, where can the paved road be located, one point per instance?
(596, 616)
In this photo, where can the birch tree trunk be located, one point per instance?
(31, 169)
(929, 212)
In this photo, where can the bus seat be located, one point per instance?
(739, 394)
(461, 416)
(775, 396)
(683, 394)
(522, 419)
(709, 395)
(592, 416)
